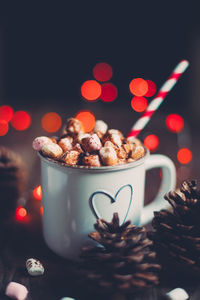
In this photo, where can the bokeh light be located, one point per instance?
(151, 142)
(139, 104)
(138, 87)
(20, 213)
(51, 122)
(174, 123)
(91, 90)
(102, 72)
(87, 118)
(37, 192)
(184, 156)
(21, 120)
(151, 88)
(3, 127)
(108, 92)
(41, 210)
(6, 113)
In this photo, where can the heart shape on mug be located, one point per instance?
(103, 204)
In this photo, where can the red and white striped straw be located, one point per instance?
(156, 102)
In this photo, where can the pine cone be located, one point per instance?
(121, 260)
(176, 234)
(12, 179)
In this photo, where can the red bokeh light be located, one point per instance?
(184, 156)
(108, 92)
(91, 90)
(138, 87)
(21, 120)
(3, 127)
(20, 213)
(151, 88)
(6, 113)
(87, 118)
(102, 72)
(41, 210)
(139, 104)
(151, 142)
(174, 123)
(37, 192)
(51, 122)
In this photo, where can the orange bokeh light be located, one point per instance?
(184, 156)
(3, 127)
(6, 113)
(37, 192)
(108, 92)
(21, 120)
(174, 123)
(20, 213)
(151, 88)
(151, 142)
(91, 90)
(41, 210)
(138, 87)
(87, 118)
(51, 122)
(102, 72)
(139, 104)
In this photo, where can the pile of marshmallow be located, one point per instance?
(101, 147)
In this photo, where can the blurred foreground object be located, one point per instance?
(12, 182)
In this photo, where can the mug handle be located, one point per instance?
(168, 183)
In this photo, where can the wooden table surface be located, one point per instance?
(23, 241)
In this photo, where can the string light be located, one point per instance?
(184, 156)
(91, 90)
(139, 104)
(87, 118)
(151, 142)
(3, 127)
(6, 113)
(51, 122)
(151, 88)
(174, 123)
(21, 120)
(102, 72)
(37, 192)
(108, 92)
(20, 213)
(138, 87)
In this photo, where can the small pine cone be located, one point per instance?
(12, 180)
(176, 234)
(122, 260)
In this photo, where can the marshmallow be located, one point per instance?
(128, 147)
(121, 153)
(34, 267)
(100, 126)
(71, 157)
(74, 126)
(177, 294)
(77, 147)
(16, 291)
(115, 131)
(52, 150)
(138, 152)
(40, 141)
(92, 143)
(80, 136)
(108, 156)
(65, 144)
(133, 140)
(92, 161)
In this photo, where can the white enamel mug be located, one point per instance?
(75, 196)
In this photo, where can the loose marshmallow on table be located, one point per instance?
(34, 267)
(92, 143)
(108, 156)
(65, 144)
(177, 294)
(16, 291)
(40, 141)
(52, 150)
(100, 126)
(92, 161)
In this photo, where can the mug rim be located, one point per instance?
(63, 166)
